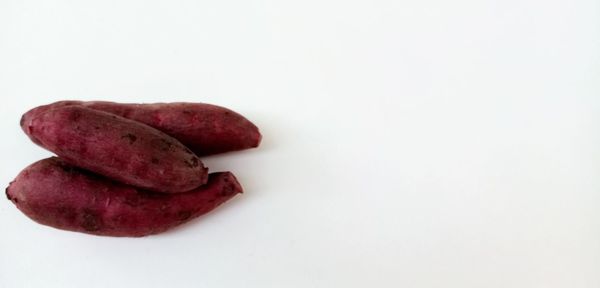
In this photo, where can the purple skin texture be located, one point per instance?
(56, 194)
(204, 128)
(118, 148)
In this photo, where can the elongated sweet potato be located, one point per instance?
(118, 148)
(206, 129)
(54, 193)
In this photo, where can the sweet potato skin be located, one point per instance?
(118, 148)
(204, 128)
(54, 193)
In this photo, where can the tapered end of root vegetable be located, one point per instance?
(229, 178)
(25, 121)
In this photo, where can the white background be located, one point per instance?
(406, 143)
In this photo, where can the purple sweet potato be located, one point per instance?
(118, 148)
(206, 129)
(55, 193)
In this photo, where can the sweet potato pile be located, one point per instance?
(127, 169)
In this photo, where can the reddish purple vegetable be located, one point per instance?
(206, 129)
(54, 193)
(116, 147)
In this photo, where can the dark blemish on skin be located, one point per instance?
(166, 144)
(227, 190)
(184, 215)
(154, 161)
(132, 138)
(75, 115)
(68, 213)
(96, 127)
(91, 221)
(187, 112)
(7, 195)
(192, 163)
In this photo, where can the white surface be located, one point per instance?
(406, 143)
